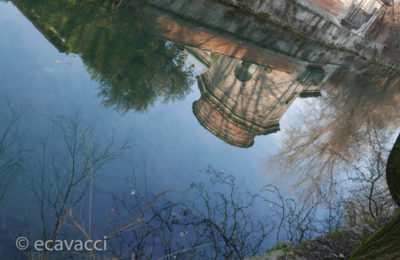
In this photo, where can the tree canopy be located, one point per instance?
(133, 66)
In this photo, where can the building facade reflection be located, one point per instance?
(240, 100)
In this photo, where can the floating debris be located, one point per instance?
(183, 233)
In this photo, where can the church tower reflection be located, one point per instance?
(240, 100)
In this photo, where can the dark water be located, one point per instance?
(98, 118)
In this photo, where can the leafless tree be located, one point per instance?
(11, 145)
(331, 131)
(142, 225)
(297, 220)
(369, 197)
(223, 217)
(386, 28)
(62, 172)
(213, 219)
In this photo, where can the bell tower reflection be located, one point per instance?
(240, 100)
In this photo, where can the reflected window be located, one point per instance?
(357, 17)
(244, 70)
(312, 76)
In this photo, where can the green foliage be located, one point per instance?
(121, 52)
(337, 233)
(383, 244)
(268, 70)
(281, 245)
(214, 56)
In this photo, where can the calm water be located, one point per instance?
(104, 121)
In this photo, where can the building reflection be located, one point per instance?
(245, 90)
(240, 100)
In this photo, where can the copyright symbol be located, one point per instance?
(22, 243)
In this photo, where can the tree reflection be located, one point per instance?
(216, 218)
(11, 145)
(62, 175)
(357, 112)
(133, 66)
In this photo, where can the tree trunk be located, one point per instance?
(393, 172)
(385, 243)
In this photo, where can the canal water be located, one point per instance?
(111, 131)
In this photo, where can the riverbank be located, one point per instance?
(336, 245)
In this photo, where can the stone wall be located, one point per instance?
(294, 29)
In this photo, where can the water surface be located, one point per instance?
(106, 121)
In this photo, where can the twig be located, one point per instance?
(184, 250)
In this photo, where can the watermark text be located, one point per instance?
(23, 243)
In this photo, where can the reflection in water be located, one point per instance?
(356, 118)
(11, 146)
(243, 94)
(240, 101)
(210, 219)
(132, 65)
